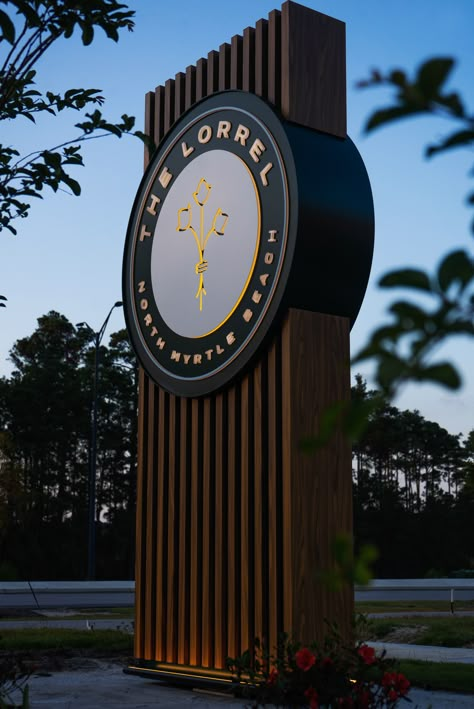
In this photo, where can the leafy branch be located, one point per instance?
(402, 349)
(28, 28)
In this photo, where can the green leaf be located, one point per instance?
(432, 75)
(7, 28)
(87, 34)
(73, 185)
(444, 373)
(457, 266)
(461, 138)
(387, 115)
(407, 278)
(410, 316)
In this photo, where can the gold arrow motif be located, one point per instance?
(219, 223)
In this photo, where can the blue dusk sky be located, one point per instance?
(68, 253)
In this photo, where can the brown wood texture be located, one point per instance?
(232, 523)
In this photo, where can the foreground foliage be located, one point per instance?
(28, 28)
(331, 675)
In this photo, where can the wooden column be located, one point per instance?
(233, 522)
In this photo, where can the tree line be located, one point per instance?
(413, 492)
(45, 433)
(413, 481)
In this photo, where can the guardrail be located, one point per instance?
(71, 594)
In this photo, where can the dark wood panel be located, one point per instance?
(316, 348)
(313, 69)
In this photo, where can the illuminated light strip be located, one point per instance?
(181, 674)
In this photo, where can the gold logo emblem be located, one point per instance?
(219, 222)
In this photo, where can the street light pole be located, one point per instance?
(91, 525)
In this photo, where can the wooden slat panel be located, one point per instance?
(179, 94)
(272, 500)
(195, 576)
(201, 79)
(171, 566)
(261, 58)
(212, 72)
(159, 113)
(314, 69)
(248, 59)
(183, 570)
(236, 62)
(190, 87)
(169, 105)
(245, 581)
(233, 608)
(259, 560)
(206, 651)
(224, 67)
(149, 123)
(274, 57)
(158, 500)
(219, 549)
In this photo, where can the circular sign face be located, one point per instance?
(209, 243)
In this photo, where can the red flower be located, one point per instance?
(272, 677)
(367, 654)
(305, 659)
(312, 695)
(345, 702)
(327, 662)
(395, 685)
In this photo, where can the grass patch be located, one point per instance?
(411, 606)
(443, 632)
(61, 639)
(449, 676)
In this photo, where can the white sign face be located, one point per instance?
(208, 248)
(205, 243)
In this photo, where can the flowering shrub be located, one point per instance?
(333, 675)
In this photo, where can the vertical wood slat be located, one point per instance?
(160, 510)
(171, 570)
(220, 587)
(244, 513)
(206, 635)
(208, 567)
(183, 574)
(273, 521)
(259, 516)
(194, 585)
(232, 535)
